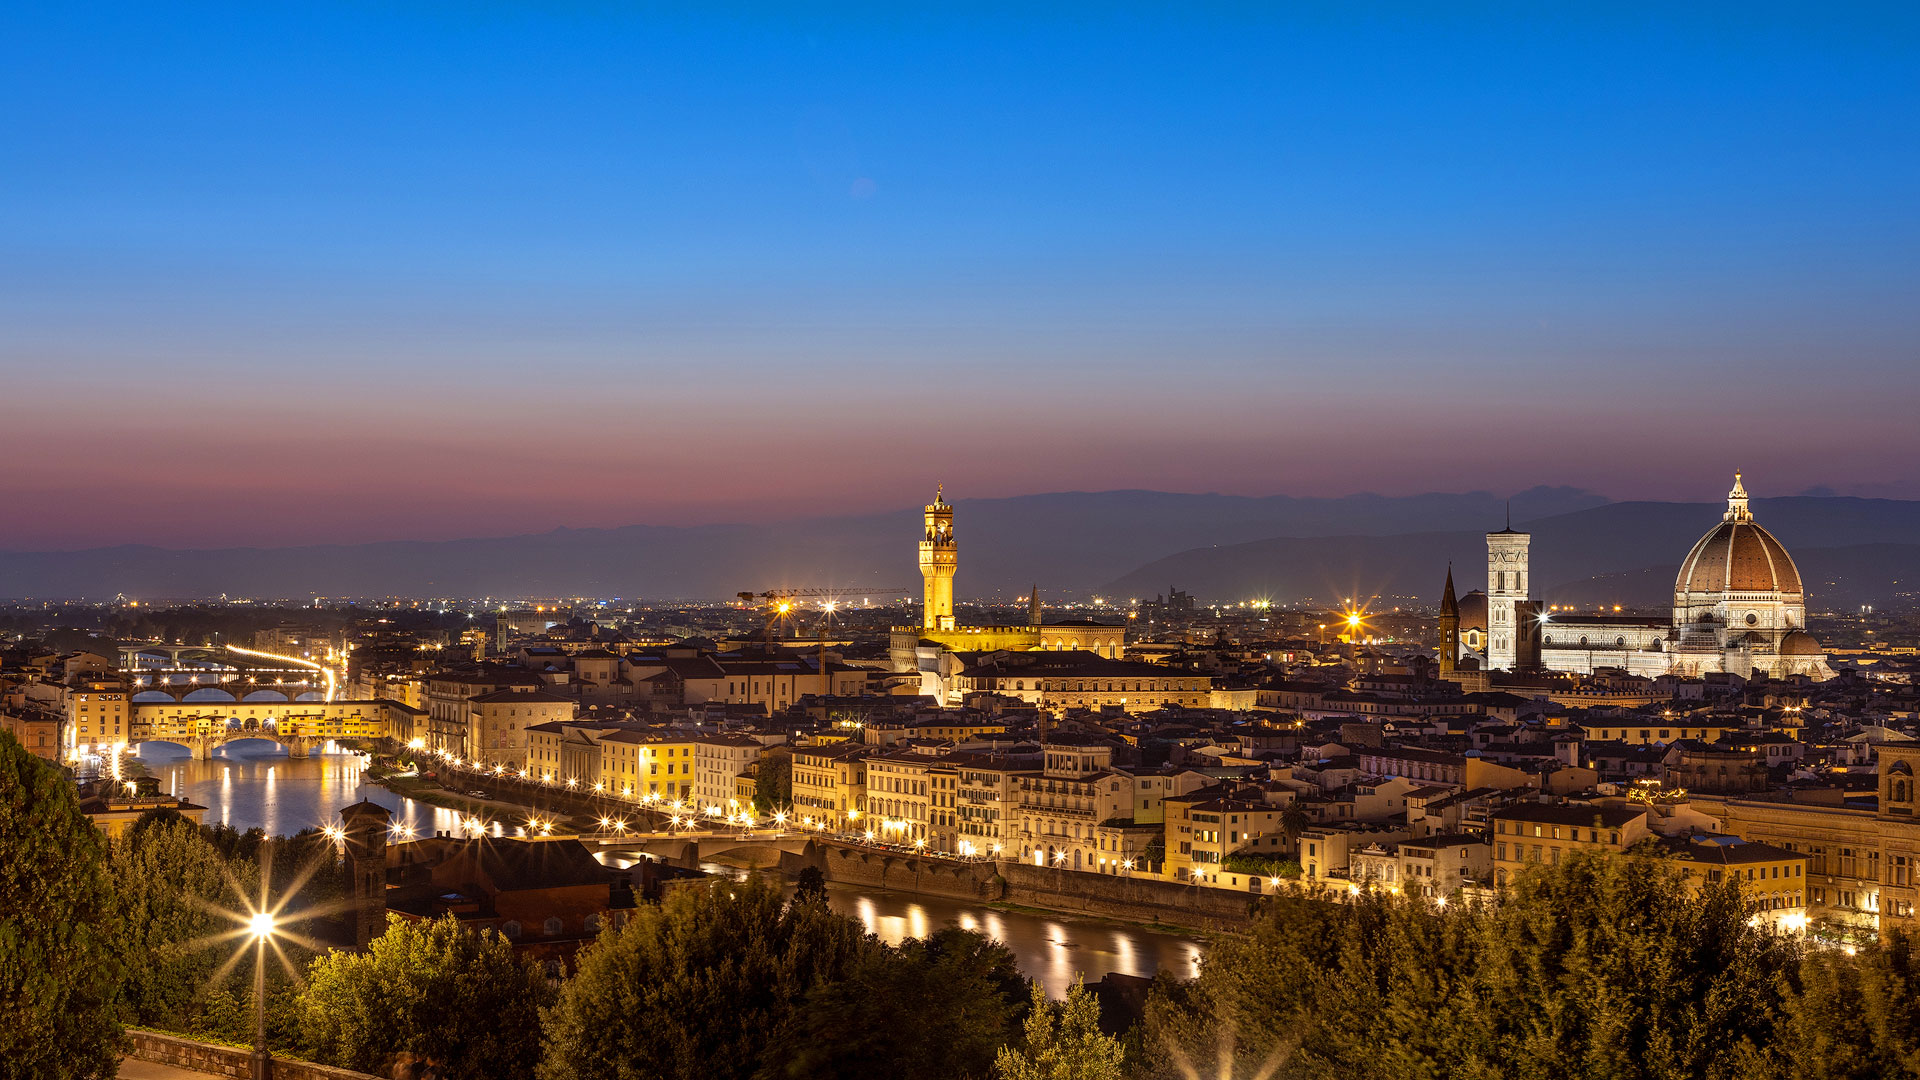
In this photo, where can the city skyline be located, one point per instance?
(352, 274)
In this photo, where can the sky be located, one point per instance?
(346, 271)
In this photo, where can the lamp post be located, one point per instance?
(261, 926)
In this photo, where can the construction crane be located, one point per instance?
(784, 604)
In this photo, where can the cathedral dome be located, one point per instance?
(1738, 556)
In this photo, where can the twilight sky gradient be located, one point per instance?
(345, 271)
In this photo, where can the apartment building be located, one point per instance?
(830, 785)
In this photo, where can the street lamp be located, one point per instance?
(260, 925)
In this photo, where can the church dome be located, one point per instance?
(1473, 611)
(1800, 643)
(1738, 556)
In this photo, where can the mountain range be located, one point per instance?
(1120, 543)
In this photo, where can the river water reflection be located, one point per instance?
(1052, 950)
(254, 784)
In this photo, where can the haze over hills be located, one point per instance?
(1850, 551)
(1068, 541)
(1123, 543)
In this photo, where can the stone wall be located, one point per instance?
(1144, 900)
(218, 1060)
(898, 871)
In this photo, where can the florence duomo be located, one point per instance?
(1738, 606)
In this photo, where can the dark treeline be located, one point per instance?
(1594, 968)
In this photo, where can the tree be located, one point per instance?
(1293, 822)
(1609, 967)
(436, 990)
(810, 886)
(697, 988)
(172, 887)
(773, 781)
(930, 1010)
(1596, 967)
(1063, 1042)
(58, 962)
(1849, 1017)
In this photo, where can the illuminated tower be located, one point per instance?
(1449, 627)
(1506, 595)
(938, 560)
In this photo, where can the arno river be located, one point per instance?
(255, 784)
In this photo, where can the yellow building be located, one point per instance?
(830, 786)
(1639, 732)
(957, 727)
(899, 797)
(1538, 833)
(98, 715)
(646, 766)
(1774, 878)
(1201, 833)
(1863, 863)
(113, 805)
(1081, 680)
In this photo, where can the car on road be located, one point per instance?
(478, 794)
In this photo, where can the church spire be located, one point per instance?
(1737, 501)
(1449, 628)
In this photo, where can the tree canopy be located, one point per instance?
(1597, 967)
(437, 991)
(697, 988)
(1063, 1042)
(933, 1009)
(59, 963)
(172, 885)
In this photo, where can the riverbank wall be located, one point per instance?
(1129, 899)
(898, 872)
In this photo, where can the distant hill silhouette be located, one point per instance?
(1617, 553)
(1125, 543)
(1068, 541)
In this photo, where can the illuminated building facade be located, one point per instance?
(927, 647)
(1738, 606)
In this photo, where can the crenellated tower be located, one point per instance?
(939, 558)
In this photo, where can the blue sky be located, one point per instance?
(459, 268)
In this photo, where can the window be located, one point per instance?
(511, 929)
(554, 927)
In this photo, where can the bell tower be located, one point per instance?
(1506, 595)
(939, 558)
(366, 844)
(1449, 627)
